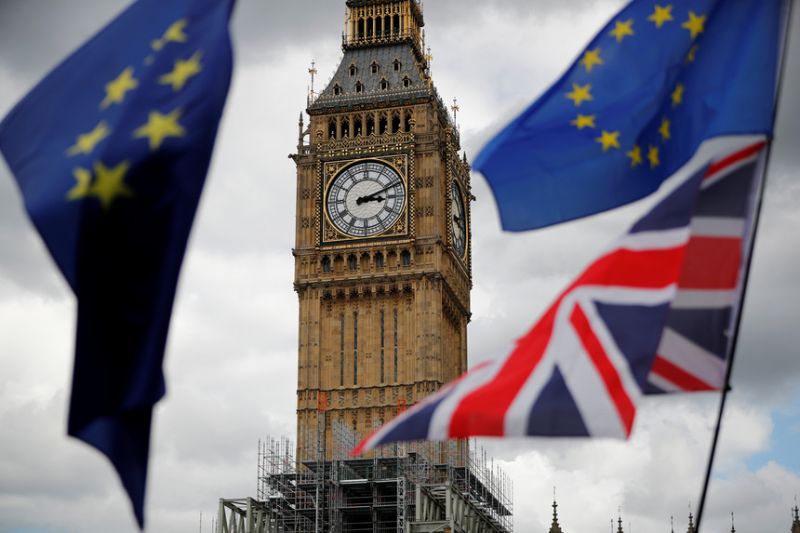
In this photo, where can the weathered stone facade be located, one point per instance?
(383, 319)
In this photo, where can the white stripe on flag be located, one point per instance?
(443, 415)
(718, 227)
(653, 240)
(662, 383)
(700, 299)
(691, 358)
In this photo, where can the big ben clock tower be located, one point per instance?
(382, 255)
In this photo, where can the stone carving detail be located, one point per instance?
(426, 211)
(424, 182)
(382, 141)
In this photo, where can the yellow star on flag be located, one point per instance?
(591, 58)
(182, 71)
(622, 29)
(609, 140)
(652, 157)
(83, 185)
(174, 34)
(664, 129)
(110, 183)
(119, 87)
(580, 93)
(584, 121)
(108, 186)
(635, 155)
(677, 95)
(695, 24)
(86, 142)
(159, 127)
(661, 15)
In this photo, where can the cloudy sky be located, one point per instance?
(232, 348)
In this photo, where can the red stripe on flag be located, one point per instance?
(679, 377)
(482, 412)
(732, 159)
(711, 263)
(611, 378)
(649, 269)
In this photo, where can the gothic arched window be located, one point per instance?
(405, 258)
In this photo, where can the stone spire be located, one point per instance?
(796, 523)
(691, 528)
(555, 527)
(733, 524)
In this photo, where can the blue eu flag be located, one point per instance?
(110, 152)
(657, 81)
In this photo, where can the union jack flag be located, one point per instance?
(652, 315)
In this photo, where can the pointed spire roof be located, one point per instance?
(691, 528)
(796, 523)
(555, 527)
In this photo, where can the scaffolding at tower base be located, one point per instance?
(405, 493)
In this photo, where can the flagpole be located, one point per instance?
(746, 274)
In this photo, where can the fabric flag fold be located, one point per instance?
(651, 315)
(110, 151)
(655, 83)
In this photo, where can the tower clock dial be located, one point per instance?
(459, 225)
(366, 199)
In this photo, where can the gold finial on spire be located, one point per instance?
(733, 524)
(313, 73)
(312, 94)
(455, 110)
(672, 524)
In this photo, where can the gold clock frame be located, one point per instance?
(330, 234)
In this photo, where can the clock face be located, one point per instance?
(459, 214)
(366, 199)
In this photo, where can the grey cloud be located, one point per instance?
(231, 358)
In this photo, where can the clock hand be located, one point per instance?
(395, 184)
(371, 197)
